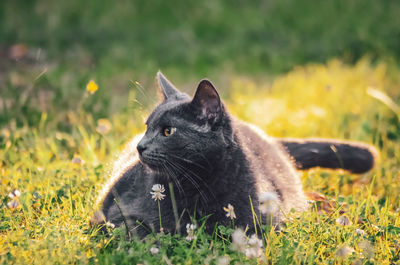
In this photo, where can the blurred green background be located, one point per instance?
(63, 44)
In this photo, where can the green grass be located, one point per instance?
(50, 224)
(203, 36)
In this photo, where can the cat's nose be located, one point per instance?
(141, 147)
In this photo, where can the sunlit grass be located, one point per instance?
(60, 172)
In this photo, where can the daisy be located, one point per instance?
(254, 249)
(230, 211)
(157, 193)
(190, 228)
(360, 232)
(343, 220)
(13, 204)
(154, 250)
(110, 225)
(14, 194)
(344, 251)
(239, 240)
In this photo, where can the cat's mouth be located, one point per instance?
(152, 161)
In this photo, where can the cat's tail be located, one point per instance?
(326, 153)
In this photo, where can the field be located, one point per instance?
(59, 131)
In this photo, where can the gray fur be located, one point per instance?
(212, 160)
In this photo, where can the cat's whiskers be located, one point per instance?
(192, 162)
(179, 169)
(185, 169)
(169, 172)
(182, 170)
(174, 178)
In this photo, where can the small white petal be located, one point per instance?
(154, 250)
(190, 229)
(190, 237)
(239, 240)
(158, 188)
(361, 232)
(343, 220)
(368, 249)
(157, 193)
(225, 260)
(254, 241)
(253, 252)
(110, 225)
(13, 204)
(377, 227)
(230, 211)
(344, 251)
(77, 160)
(14, 194)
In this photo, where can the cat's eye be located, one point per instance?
(168, 131)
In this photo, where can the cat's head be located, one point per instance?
(185, 133)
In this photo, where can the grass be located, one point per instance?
(201, 37)
(59, 162)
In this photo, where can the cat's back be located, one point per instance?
(270, 165)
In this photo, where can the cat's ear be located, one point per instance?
(206, 101)
(167, 88)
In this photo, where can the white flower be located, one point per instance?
(344, 251)
(268, 203)
(103, 126)
(367, 249)
(110, 225)
(360, 232)
(377, 227)
(254, 249)
(225, 260)
(157, 193)
(154, 250)
(239, 240)
(13, 204)
(190, 228)
(343, 220)
(254, 241)
(14, 194)
(253, 252)
(230, 211)
(78, 160)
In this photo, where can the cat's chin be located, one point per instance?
(151, 165)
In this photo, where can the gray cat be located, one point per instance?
(213, 160)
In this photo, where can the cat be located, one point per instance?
(213, 166)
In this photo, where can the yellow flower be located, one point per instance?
(92, 87)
